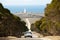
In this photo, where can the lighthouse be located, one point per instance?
(24, 10)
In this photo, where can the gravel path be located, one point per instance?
(43, 38)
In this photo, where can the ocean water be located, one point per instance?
(36, 9)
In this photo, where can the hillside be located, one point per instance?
(10, 25)
(50, 24)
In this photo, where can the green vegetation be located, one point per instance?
(50, 24)
(10, 25)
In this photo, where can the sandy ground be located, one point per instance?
(43, 38)
(52, 37)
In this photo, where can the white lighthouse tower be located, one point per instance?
(25, 11)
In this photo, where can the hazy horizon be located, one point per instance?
(37, 9)
(30, 5)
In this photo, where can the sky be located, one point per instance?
(24, 2)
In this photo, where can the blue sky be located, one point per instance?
(24, 2)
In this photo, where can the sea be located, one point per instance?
(16, 9)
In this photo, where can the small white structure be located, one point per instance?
(24, 10)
